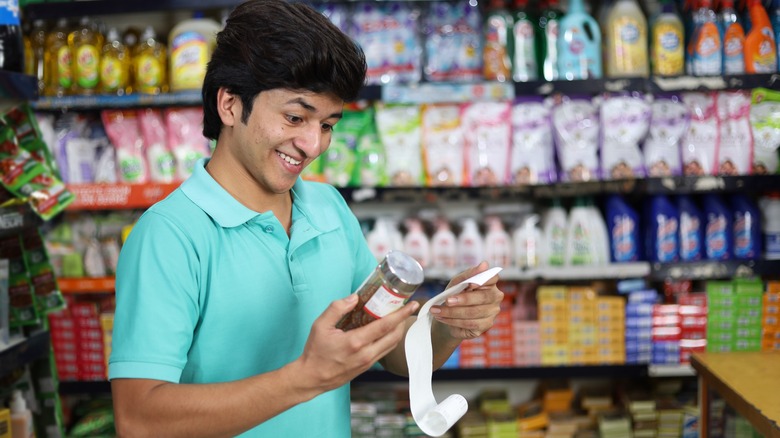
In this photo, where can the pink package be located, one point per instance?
(123, 131)
(668, 124)
(161, 163)
(700, 143)
(625, 120)
(735, 153)
(185, 138)
(488, 137)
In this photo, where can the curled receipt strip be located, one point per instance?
(432, 418)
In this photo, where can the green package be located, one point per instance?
(765, 123)
(370, 166)
(340, 158)
(48, 297)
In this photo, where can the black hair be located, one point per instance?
(269, 44)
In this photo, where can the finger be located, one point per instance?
(382, 326)
(485, 311)
(475, 297)
(337, 309)
(470, 272)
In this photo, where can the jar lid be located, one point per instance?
(402, 271)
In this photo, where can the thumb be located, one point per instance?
(337, 309)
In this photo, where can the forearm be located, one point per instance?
(206, 410)
(443, 347)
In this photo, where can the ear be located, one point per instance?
(228, 107)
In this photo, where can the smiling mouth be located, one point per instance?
(289, 159)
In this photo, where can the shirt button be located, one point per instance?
(269, 229)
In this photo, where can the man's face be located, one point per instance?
(284, 133)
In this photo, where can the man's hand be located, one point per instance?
(471, 312)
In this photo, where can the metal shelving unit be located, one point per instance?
(23, 351)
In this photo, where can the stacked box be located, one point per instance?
(639, 326)
(721, 314)
(500, 339)
(473, 353)
(553, 325)
(527, 348)
(693, 324)
(610, 330)
(749, 303)
(582, 326)
(666, 334)
(77, 340)
(770, 340)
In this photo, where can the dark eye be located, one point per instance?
(294, 119)
(327, 127)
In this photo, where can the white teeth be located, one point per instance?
(288, 159)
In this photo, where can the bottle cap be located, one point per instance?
(401, 271)
(18, 404)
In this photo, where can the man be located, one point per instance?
(229, 290)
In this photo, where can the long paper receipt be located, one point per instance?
(433, 418)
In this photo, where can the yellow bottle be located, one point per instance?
(85, 43)
(114, 65)
(149, 64)
(191, 43)
(35, 59)
(57, 58)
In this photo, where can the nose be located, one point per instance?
(309, 140)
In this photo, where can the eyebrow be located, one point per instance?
(310, 108)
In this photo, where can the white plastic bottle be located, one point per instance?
(470, 245)
(380, 239)
(443, 246)
(600, 235)
(498, 244)
(21, 417)
(527, 240)
(553, 248)
(190, 45)
(770, 224)
(416, 242)
(580, 249)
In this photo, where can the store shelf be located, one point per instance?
(86, 285)
(54, 10)
(18, 86)
(558, 273)
(714, 269)
(432, 194)
(681, 370)
(712, 83)
(98, 102)
(536, 372)
(23, 351)
(118, 196)
(97, 387)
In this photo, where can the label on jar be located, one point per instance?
(384, 302)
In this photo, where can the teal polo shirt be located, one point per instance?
(210, 291)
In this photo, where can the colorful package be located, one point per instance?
(387, 33)
(20, 291)
(487, 129)
(765, 121)
(453, 42)
(162, 167)
(701, 140)
(124, 132)
(399, 130)
(337, 13)
(17, 166)
(339, 164)
(668, 123)
(735, 152)
(185, 138)
(48, 297)
(533, 151)
(371, 157)
(576, 127)
(625, 120)
(442, 143)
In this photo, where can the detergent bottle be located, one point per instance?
(626, 41)
(667, 45)
(733, 36)
(579, 44)
(497, 49)
(705, 44)
(190, 44)
(760, 47)
(524, 64)
(548, 28)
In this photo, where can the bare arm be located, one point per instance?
(330, 359)
(465, 316)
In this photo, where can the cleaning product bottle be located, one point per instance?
(470, 244)
(626, 41)
(553, 248)
(498, 244)
(416, 243)
(525, 66)
(623, 230)
(733, 36)
(705, 44)
(661, 235)
(149, 64)
(579, 44)
(443, 246)
(35, 63)
(760, 46)
(191, 43)
(770, 224)
(86, 43)
(21, 417)
(11, 38)
(114, 65)
(580, 246)
(747, 228)
(57, 58)
(498, 45)
(718, 231)
(548, 28)
(600, 233)
(527, 242)
(380, 239)
(667, 45)
(691, 229)
(775, 18)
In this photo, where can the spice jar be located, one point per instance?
(386, 290)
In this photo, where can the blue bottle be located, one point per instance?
(691, 229)
(718, 232)
(623, 229)
(579, 44)
(661, 232)
(747, 228)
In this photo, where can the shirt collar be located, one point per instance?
(202, 189)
